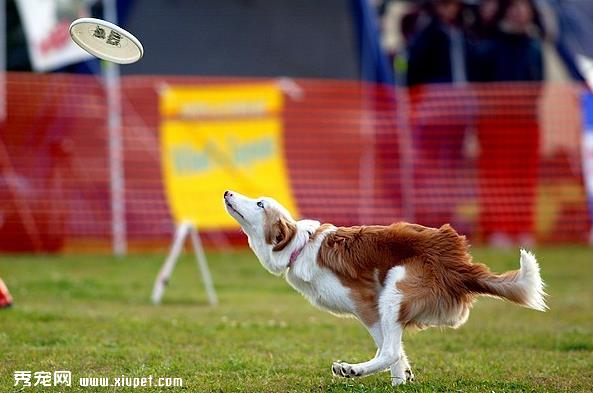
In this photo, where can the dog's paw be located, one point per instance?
(409, 375)
(395, 381)
(400, 376)
(345, 370)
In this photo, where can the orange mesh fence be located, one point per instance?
(490, 159)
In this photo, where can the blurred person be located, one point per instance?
(439, 65)
(401, 22)
(514, 53)
(510, 145)
(17, 54)
(437, 54)
(486, 19)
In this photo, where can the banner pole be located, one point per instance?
(368, 132)
(587, 151)
(182, 231)
(114, 124)
(162, 278)
(406, 154)
(203, 265)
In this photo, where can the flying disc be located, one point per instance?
(106, 40)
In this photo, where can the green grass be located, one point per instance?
(91, 315)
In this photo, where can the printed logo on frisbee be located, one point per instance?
(99, 32)
(113, 39)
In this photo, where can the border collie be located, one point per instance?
(389, 277)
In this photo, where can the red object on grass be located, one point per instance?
(5, 298)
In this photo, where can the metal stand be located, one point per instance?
(162, 279)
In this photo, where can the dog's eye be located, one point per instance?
(260, 204)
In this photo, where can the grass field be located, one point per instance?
(91, 315)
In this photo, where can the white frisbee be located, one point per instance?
(106, 40)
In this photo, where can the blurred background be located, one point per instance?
(472, 112)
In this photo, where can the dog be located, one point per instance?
(389, 277)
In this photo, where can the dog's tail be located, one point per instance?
(523, 286)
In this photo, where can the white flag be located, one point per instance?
(46, 24)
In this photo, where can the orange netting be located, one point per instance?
(496, 158)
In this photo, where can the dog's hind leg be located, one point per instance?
(390, 351)
(377, 335)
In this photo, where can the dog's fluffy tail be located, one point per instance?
(523, 286)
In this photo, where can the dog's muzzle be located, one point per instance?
(227, 197)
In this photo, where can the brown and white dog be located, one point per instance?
(389, 277)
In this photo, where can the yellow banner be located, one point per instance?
(222, 101)
(216, 139)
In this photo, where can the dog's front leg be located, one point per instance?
(387, 355)
(387, 335)
(377, 335)
(339, 367)
(404, 364)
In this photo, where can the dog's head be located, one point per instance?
(268, 225)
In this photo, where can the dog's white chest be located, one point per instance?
(324, 291)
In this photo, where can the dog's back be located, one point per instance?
(440, 281)
(355, 251)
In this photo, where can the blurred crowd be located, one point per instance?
(445, 46)
(458, 41)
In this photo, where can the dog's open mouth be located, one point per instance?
(233, 209)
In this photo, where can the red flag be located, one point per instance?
(5, 298)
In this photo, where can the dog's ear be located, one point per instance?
(283, 233)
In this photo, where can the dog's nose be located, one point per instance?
(227, 193)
